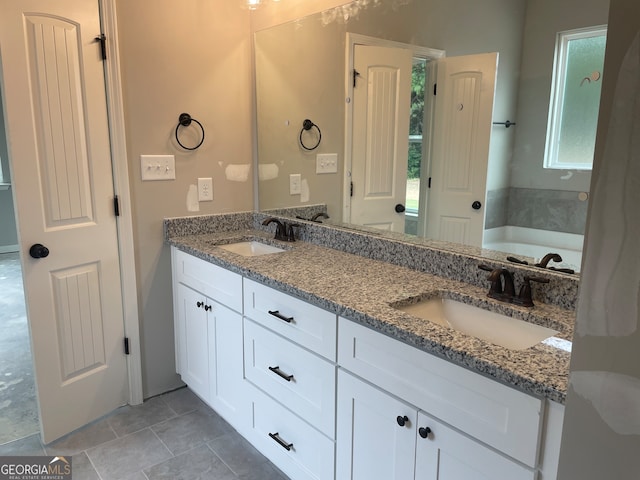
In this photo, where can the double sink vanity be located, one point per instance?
(348, 355)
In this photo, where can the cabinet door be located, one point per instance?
(446, 454)
(371, 444)
(227, 387)
(193, 341)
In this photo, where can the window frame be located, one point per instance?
(558, 84)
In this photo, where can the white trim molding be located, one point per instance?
(121, 188)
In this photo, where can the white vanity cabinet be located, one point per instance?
(380, 437)
(290, 350)
(208, 332)
(424, 388)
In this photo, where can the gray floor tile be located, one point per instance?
(128, 455)
(190, 430)
(130, 419)
(82, 468)
(237, 453)
(25, 446)
(265, 471)
(87, 437)
(197, 464)
(184, 400)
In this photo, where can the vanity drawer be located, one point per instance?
(295, 447)
(211, 280)
(303, 382)
(299, 321)
(495, 414)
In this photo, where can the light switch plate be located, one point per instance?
(205, 189)
(327, 163)
(295, 181)
(158, 167)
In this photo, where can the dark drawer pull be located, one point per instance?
(277, 314)
(280, 373)
(282, 443)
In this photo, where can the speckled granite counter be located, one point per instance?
(363, 290)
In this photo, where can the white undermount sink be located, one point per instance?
(489, 326)
(251, 248)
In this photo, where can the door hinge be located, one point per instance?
(356, 74)
(126, 345)
(116, 206)
(435, 88)
(429, 184)
(103, 45)
(351, 189)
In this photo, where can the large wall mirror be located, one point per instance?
(305, 71)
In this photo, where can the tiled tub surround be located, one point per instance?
(363, 289)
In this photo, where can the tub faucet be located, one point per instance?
(318, 215)
(547, 258)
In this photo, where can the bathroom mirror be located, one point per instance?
(301, 73)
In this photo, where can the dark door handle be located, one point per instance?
(399, 208)
(424, 432)
(38, 250)
(476, 205)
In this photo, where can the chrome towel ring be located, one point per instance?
(184, 120)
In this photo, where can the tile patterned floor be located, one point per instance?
(174, 436)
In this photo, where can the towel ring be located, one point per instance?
(308, 125)
(184, 120)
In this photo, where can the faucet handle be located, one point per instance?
(495, 277)
(289, 233)
(524, 297)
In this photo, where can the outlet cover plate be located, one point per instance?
(205, 189)
(295, 181)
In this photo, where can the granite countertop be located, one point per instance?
(364, 290)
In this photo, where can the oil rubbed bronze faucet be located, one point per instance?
(503, 288)
(284, 230)
(547, 258)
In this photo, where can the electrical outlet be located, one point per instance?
(295, 181)
(327, 163)
(205, 189)
(158, 167)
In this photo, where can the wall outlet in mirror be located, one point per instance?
(295, 181)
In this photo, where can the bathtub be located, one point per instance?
(529, 242)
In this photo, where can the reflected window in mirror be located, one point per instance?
(416, 141)
(573, 116)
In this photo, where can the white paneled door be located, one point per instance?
(381, 103)
(56, 115)
(464, 109)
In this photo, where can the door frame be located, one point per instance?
(119, 162)
(352, 40)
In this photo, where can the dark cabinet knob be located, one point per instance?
(402, 420)
(200, 304)
(476, 205)
(38, 251)
(399, 208)
(424, 432)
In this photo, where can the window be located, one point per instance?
(418, 79)
(575, 99)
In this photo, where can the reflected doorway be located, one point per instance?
(18, 404)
